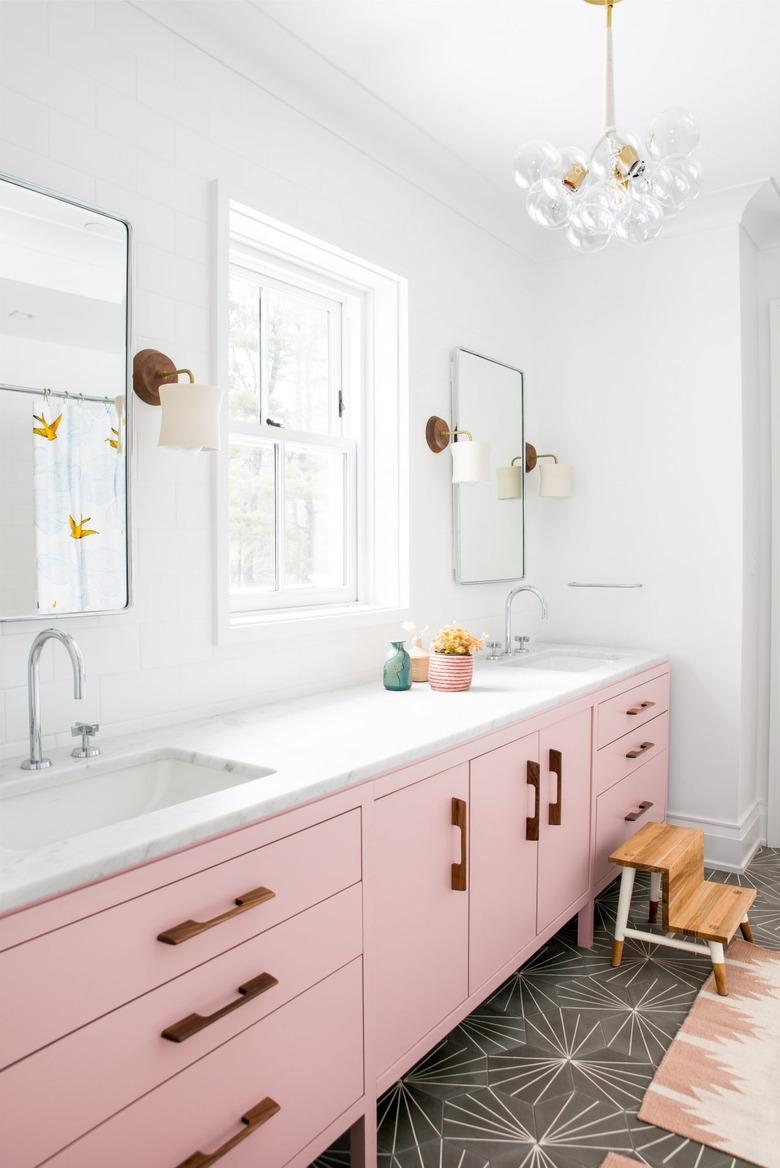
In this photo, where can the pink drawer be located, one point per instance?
(73, 975)
(625, 755)
(306, 1058)
(622, 715)
(648, 784)
(104, 1066)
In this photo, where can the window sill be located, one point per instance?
(243, 628)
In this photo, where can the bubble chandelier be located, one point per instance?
(622, 190)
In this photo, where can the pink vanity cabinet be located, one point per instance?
(245, 1000)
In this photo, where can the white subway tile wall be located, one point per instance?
(100, 102)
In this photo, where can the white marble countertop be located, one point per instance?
(315, 745)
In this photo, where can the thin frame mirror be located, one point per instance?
(64, 406)
(488, 519)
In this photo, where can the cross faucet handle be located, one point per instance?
(85, 730)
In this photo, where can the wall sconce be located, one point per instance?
(555, 480)
(470, 459)
(190, 412)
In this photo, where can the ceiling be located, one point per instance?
(473, 79)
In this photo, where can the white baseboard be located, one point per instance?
(728, 846)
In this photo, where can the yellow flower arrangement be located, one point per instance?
(456, 642)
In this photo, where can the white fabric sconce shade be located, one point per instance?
(190, 416)
(190, 412)
(555, 480)
(470, 461)
(509, 481)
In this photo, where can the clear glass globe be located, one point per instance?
(641, 220)
(672, 132)
(598, 209)
(534, 161)
(690, 169)
(587, 241)
(665, 184)
(617, 156)
(549, 203)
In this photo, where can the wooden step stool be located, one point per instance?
(691, 905)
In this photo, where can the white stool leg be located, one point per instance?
(655, 896)
(624, 906)
(745, 929)
(719, 967)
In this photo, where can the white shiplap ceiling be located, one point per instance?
(460, 84)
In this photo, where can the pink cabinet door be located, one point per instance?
(503, 860)
(419, 920)
(564, 830)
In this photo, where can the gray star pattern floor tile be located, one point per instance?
(550, 1071)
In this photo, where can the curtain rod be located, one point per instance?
(76, 397)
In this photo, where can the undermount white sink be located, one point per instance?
(568, 662)
(104, 795)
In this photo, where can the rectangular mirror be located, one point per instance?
(64, 327)
(489, 517)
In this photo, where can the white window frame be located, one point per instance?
(375, 437)
(254, 269)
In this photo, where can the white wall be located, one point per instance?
(640, 384)
(99, 102)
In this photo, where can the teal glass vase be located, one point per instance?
(397, 672)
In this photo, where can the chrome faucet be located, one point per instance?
(36, 761)
(513, 592)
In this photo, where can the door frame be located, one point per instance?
(773, 777)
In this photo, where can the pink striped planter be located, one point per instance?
(450, 672)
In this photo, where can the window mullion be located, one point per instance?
(262, 332)
(279, 533)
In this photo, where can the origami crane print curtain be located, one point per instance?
(79, 505)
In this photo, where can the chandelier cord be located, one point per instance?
(609, 78)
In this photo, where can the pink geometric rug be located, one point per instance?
(615, 1161)
(719, 1081)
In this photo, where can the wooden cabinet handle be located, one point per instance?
(459, 880)
(638, 709)
(254, 1119)
(533, 780)
(636, 753)
(188, 929)
(556, 768)
(193, 1023)
(643, 807)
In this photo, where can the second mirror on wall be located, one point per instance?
(489, 515)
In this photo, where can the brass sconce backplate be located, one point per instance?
(151, 369)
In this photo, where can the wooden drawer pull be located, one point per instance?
(254, 1119)
(459, 880)
(638, 709)
(644, 747)
(532, 779)
(643, 807)
(188, 929)
(193, 1023)
(556, 768)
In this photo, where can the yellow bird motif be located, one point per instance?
(113, 442)
(46, 430)
(78, 530)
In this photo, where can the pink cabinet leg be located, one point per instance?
(362, 1144)
(585, 926)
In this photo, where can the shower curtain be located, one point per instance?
(79, 505)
